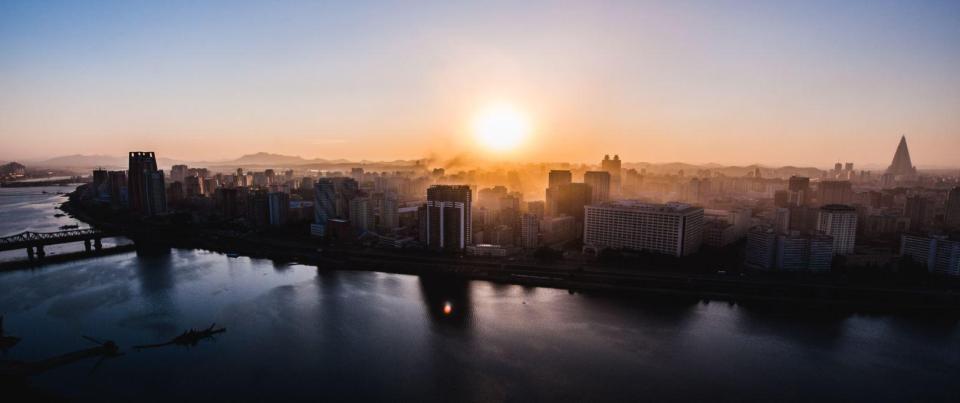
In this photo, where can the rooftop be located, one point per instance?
(671, 207)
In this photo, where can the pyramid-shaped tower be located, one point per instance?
(901, 164)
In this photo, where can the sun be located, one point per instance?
(501, 127)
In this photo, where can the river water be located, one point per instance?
(297, 332)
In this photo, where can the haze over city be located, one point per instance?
(777, 83)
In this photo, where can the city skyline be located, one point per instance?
(772, 84)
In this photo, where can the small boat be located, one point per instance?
(70, 226)
(188, 338)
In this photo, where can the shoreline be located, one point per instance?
(571, 276)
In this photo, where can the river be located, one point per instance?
(297, 332)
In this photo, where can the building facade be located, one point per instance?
(672, 228)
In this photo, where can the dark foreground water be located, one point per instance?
(298, 332)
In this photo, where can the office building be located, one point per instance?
(835, 192)
(555, 179)
(146, 189)
(448, 219)
(797, 252)
(939, 254)
(672, 228)
(117, 185)
(279, 208)
(761, 248)
(324, 205)
(178, 173)
(599, 182)
(571, 198)
(840, 222)
(613, 167)
(952, 212)
(529, 231)
(361, 214)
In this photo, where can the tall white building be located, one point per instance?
(672, 228)
(840, 222)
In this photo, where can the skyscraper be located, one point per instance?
(840, 222)
(571, 198)
(361, 214)
(902, 165)
(556, 178)
(599, 182)
(613, 167)
(953, 209)
(324, 206)
(448, 218)
(145, 188)
(278, 205)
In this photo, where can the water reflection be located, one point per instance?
(155, 270)
(447, 300)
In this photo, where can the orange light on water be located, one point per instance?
(447, 308)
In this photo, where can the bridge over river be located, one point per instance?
(34, 242)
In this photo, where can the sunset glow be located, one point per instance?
(501, 128)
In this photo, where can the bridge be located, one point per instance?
(34, 242)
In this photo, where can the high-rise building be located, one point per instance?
(361, 214)
(939, 254)
(324, 205)
(529, 231)
(761, 248)
(781, 222)
(556, 178)
(571, 199)
(448, 217)
(99, 186)
(835, 192)
(118, 189)
(613, 167)
(145, 185)
(279, 208)
(389, 213)
(178, 173)
(599, 182)
(799, 188)
(796, 252)
(490, 197)
(902, 165)
(537, 208)
(258, 208)
(952, 213)
(194, 186)
(672, 228)
(840, 222)
(915, 209)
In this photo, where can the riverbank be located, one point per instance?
(574, 276)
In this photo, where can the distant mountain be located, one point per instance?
(81, 161)
(263, 158)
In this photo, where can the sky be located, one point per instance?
(733, 82)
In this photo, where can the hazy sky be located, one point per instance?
(799, 82)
